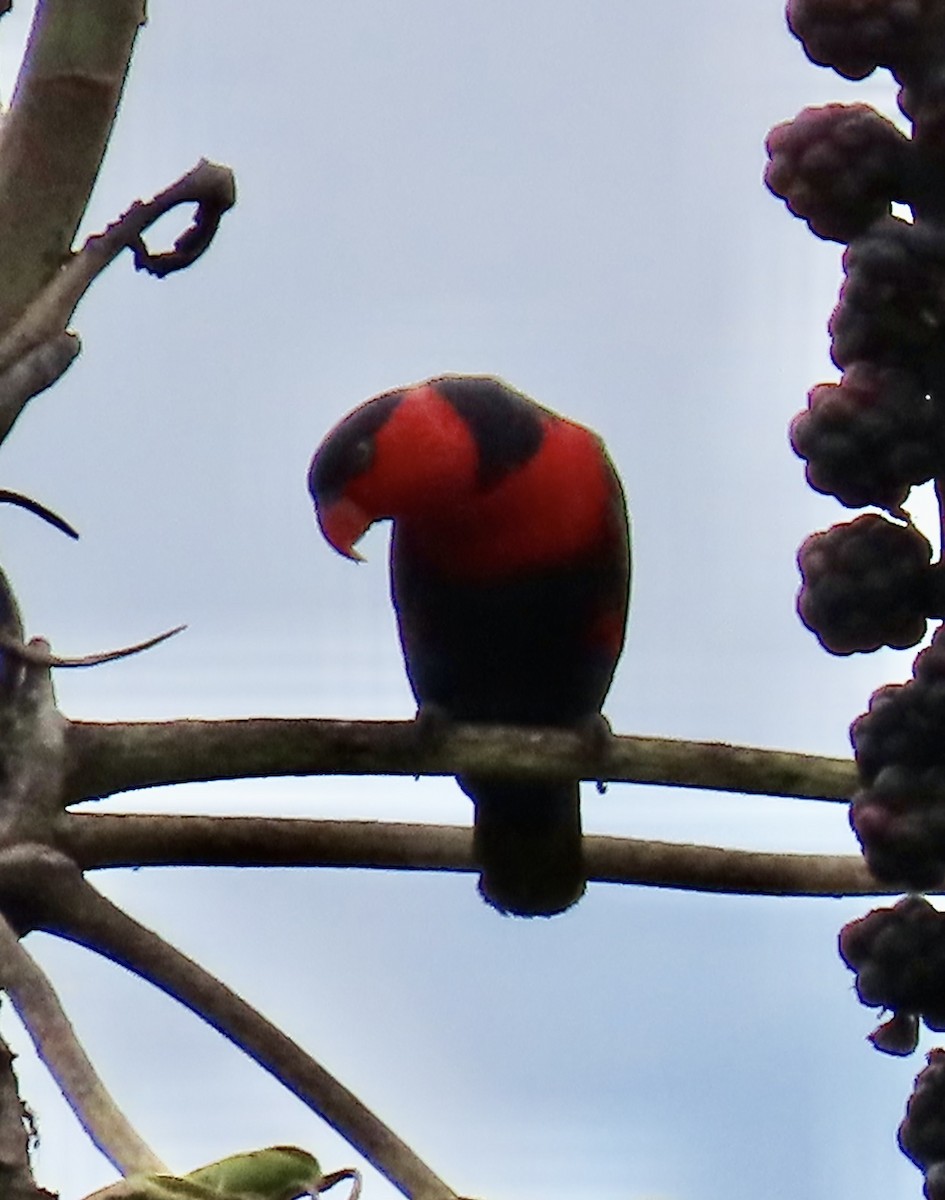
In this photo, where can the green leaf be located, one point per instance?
(277, 1173)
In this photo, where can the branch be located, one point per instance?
(209, 186)
(131, 840)
(32, 752)
(42, 1015)
(11, 625)
(106, 758)
(37, 509)
(54, 136)
(46, 891)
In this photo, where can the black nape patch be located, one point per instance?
(348, 451)
(505, 424)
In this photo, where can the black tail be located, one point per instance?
(527, 841)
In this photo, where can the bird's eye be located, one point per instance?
(361, 456)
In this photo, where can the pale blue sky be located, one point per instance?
(567, 195)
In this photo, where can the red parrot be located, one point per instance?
(510, 568)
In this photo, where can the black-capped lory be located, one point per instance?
(510, 568)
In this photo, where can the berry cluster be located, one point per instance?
(872, 437)
(866, 584)
(857, 36)
(922, 100)
(898, 955)
(838, 167)
(869, 438)
(879, 432)
(922, 1132)
(892, 303)
(899, 811)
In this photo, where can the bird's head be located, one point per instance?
(406, 453)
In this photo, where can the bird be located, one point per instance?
(510, 578)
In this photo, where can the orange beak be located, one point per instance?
(343, 522)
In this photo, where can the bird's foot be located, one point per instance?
(597, 737)
(430, 726)
(431, 722)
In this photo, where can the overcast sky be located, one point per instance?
(567, 195)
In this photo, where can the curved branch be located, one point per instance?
(210, 186)
(105, 758)
(37, 509)
(98, 840)
(38, 1007)
(51, 894)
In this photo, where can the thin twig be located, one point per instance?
(335, 1177)
(38, 510)
(38, 1007)
(55, 897)
(37, 651)
(105, 840)
(106, 758)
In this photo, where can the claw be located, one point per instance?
(596, 733)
